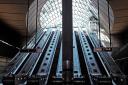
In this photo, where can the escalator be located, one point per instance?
(45, 67)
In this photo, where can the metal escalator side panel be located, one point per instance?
(91, 64)
(76, 62)
(45, 67)
(31, 61)
(19, 59)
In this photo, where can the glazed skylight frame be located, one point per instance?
(51, 13)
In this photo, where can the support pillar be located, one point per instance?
(67, 40)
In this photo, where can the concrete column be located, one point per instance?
(67, 41)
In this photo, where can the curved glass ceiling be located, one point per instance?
(51, 13)
(51, 16)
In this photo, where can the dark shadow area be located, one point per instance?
(8, 34)
(123, 36)
(121, 54)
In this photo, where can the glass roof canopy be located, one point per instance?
(51, 17)
(51, 13)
